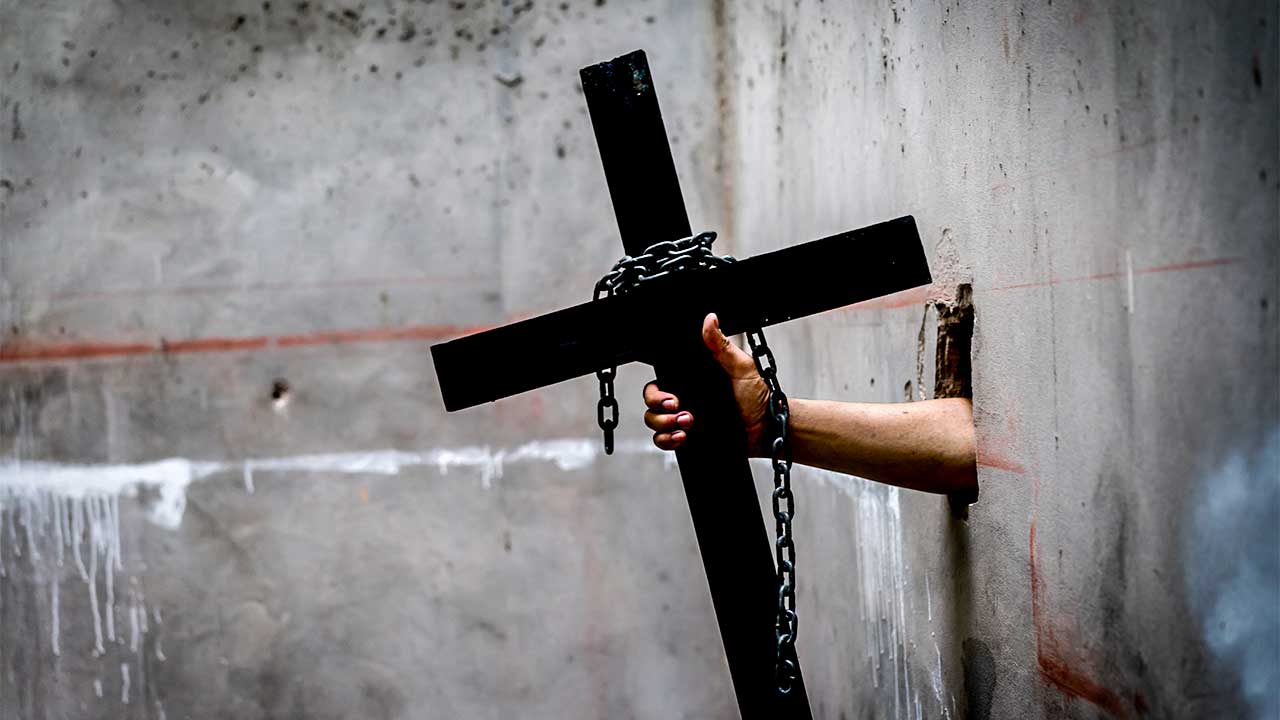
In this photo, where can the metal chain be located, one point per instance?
(659, 260)
(607, 407)
(787, 622)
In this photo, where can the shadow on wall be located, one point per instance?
(1238, 516)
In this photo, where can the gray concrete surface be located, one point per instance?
(201, 200)
(1105, 174)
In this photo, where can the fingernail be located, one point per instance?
(677, 435)
(669, 404)
(684, 419)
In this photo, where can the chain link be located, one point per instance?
(665, 258)
(607, 407)
(657, 260)
(787, 622)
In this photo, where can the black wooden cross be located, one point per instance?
(643, 325)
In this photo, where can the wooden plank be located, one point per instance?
(757, 292)
(736, 552)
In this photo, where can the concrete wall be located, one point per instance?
(198, 205)
(204, 206)
(1105, 175)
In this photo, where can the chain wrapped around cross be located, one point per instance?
(694, 254)
(753, 590)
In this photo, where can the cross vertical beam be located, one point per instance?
(736, 551)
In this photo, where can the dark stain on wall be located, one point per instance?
(18, 134)
(979, 678)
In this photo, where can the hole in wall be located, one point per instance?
(279, 393)
(953, 374)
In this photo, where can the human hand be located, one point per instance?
(671, 425)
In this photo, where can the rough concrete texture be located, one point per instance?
(231, 230)
(1106, 177)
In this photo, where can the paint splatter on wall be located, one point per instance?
(60, 532)
(903, 657)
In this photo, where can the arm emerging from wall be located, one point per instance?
(927, 445)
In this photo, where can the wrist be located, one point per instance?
(761, 433)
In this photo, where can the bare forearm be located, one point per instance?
(926, 445)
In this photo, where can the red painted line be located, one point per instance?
(1079, 685)
(21, 352)
(18, 351)
(1115, 275)
(12, 352)
(1056, 670)
(204, 345)
(227, 289)
(920, 295)
(986, 458)
(1192, 265)
(368, 335)
(905, 298)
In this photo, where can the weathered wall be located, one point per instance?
(194, 206)
(202, 198)
(1105, 174)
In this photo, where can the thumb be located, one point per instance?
(730, 356)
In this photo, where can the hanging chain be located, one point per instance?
(665, 258)
(607, 407)
(657, 260)
(787, 622)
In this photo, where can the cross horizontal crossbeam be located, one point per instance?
(757, 292)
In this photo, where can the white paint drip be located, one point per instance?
(44, 482)
(60, 506)
(566, 453)
(136, 609)
(885, 603)
(935, 678)
(55, 621)
(93, 593)
(928, 597)
(69, 482)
